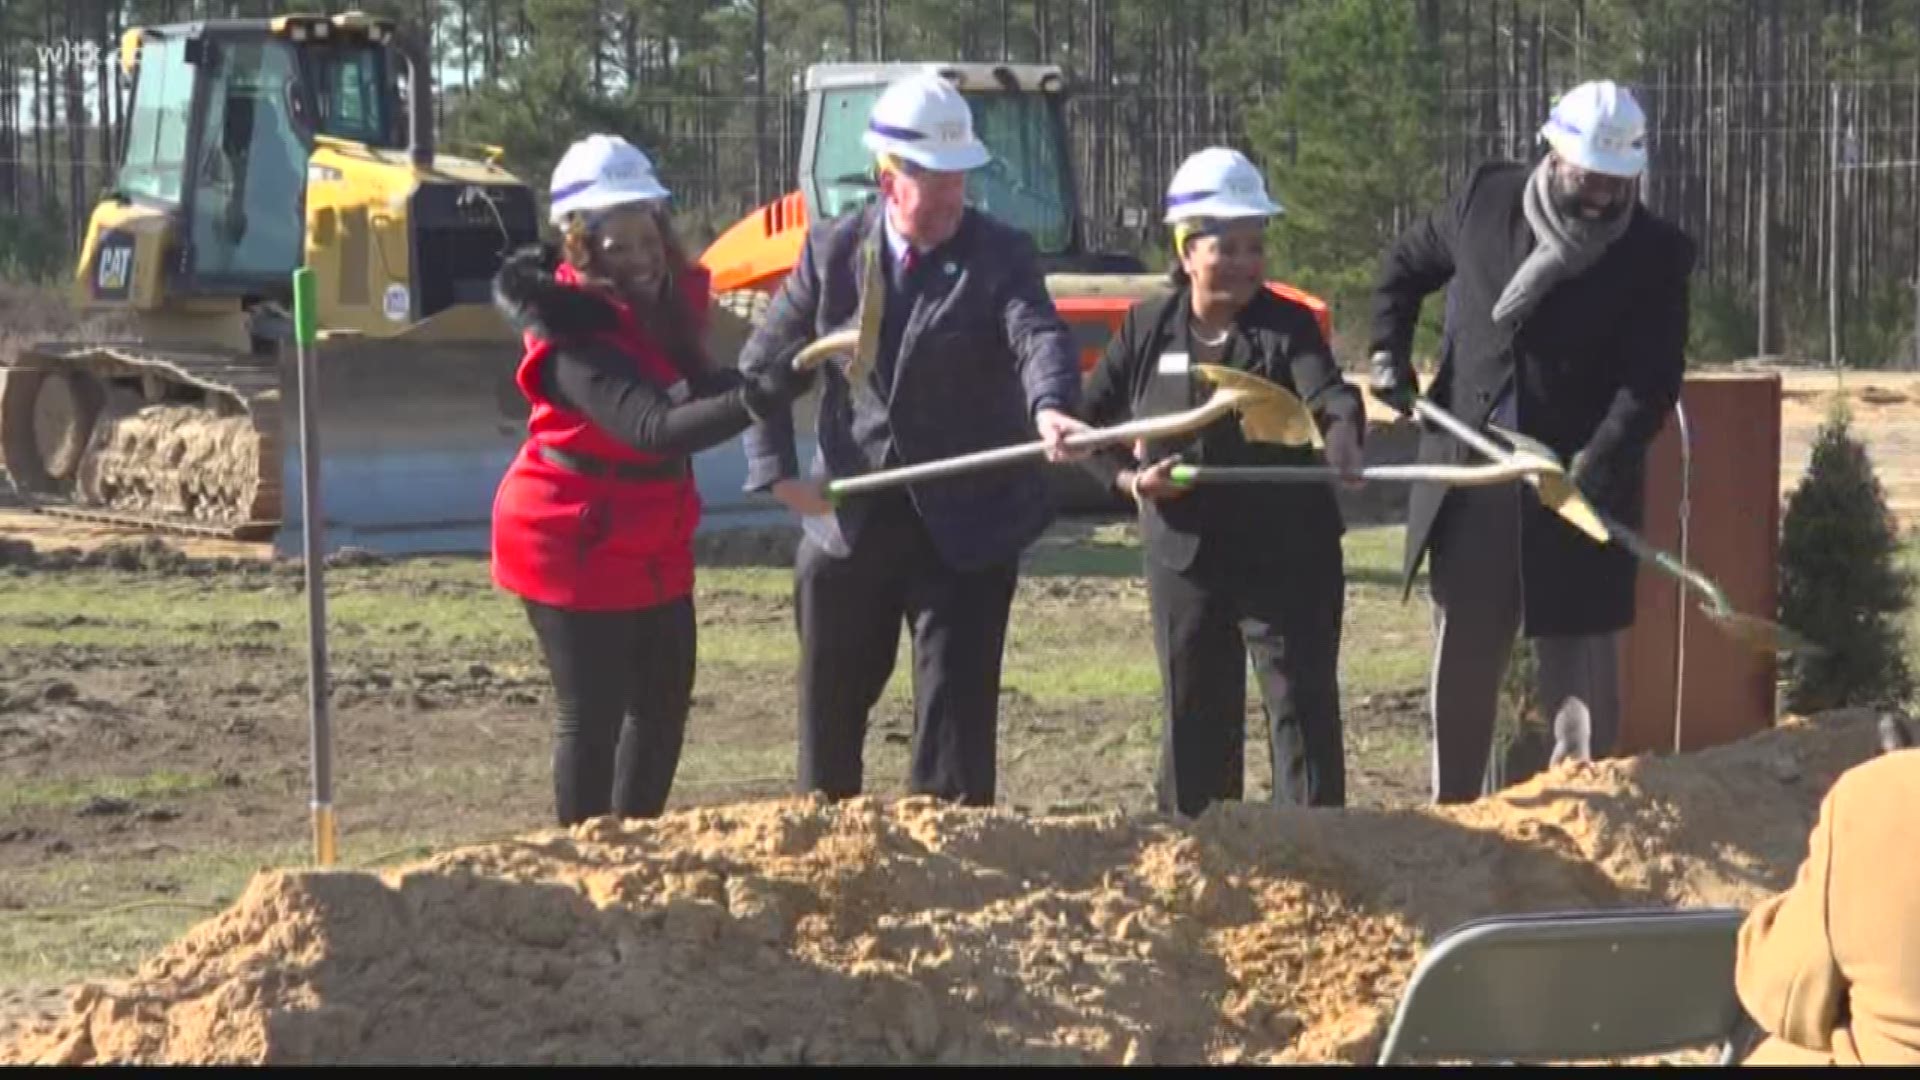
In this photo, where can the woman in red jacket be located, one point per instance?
(593, 523)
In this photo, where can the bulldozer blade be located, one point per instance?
(1269, 412)
(414, 438)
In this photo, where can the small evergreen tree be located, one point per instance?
(1841, 582)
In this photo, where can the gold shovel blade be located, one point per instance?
(1269, 412)
(1760, 635)
(859, 343)
(837, 343)
(873, 302)
(1557, 492)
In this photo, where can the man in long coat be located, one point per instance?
(1566, 320)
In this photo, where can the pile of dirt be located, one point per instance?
(861, 932)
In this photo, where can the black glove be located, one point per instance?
(1392, 382)
(712, 382)
(775, 387)
(1587, 475)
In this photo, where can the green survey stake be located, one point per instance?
(325, 831)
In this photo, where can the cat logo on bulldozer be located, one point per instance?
(113, 276)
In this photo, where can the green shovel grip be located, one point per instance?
(305, 308)
(1181, 475)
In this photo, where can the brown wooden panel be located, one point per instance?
(1733, 537)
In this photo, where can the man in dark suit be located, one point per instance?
(1566, 320)
(972, 355)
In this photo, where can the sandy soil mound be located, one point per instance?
(798, 931)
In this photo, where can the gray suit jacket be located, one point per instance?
(982, 350)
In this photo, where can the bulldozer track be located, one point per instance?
(185, 442)
(257, 530)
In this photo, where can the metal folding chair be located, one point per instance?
(1573, 986)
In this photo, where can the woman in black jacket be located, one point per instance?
(1234, 571)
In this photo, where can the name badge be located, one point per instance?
(1174, 363)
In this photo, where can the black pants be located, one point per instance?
(624, 680)
(1282, 614)
(849, 613)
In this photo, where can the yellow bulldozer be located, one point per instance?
(252, 148)
(255, 147)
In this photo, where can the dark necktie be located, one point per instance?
(903, 275)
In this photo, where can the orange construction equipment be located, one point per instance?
(1019, 111)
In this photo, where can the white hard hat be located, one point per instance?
(923, 119)
(601, 171)
(1599, 127)
(1218, 182)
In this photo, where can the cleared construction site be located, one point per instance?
(182, 881)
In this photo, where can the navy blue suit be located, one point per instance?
(971, 349)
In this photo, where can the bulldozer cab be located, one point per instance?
(255, 147)
(1019, 112)
(224, 119)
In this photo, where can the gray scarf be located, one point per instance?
(1563, 248)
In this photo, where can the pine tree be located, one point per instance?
(1841, 583)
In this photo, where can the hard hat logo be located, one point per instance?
(924, 120)
(1218, 183)
(1616, 142)
(600, 172)
(1598, 126)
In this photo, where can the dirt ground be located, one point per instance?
(1885, 411)
(223, 716)
(1120, 925)
(132, 752)
(793, 931)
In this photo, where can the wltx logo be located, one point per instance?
(69, 52)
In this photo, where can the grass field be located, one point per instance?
(154, 746)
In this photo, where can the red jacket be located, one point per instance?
(573, 540)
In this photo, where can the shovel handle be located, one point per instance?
(1188, 475)
(933, 470)
(1716, 600)
(1628, 539)
(1150, 428)
(1754, 632)
(1461, 430)
(1453, 475)
(1713, 601)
